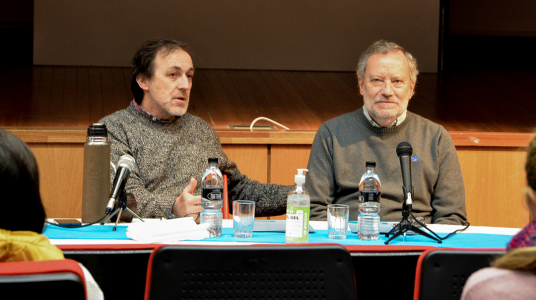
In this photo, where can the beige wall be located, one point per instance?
(235, 34)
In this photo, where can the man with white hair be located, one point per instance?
(387, 75)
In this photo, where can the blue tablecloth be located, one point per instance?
(458, 240)
(93, 232)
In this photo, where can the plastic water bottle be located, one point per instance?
(212, 198)
(369, 204)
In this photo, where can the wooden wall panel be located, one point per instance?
(494, 185)
(252, 160)
(60, 178)
(285, 160)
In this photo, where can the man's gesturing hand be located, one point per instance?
(187, 203)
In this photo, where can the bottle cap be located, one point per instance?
(213, 161)
(97, 129)
(300, 178)
(370, 164)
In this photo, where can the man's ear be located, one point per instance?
(530, 199)
(531, 194)
(141, 79)
(412, 87)
(360, 83)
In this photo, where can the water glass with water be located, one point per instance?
(243, 217)
(337, 221)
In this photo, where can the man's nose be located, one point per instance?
(184, 83)
(387, 89)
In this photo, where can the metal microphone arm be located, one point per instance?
(408, 200)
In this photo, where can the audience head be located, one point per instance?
(143, 61)
(518, 259)
(527, 236)
(20, 200)
(522, 248)
(530, 170)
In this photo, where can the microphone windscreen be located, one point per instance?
(126, 161)
(404, 148)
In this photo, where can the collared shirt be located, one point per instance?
(155, 119)
(397, 122)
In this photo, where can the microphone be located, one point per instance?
(124, 167)
(404, 151)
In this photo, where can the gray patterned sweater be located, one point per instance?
(168, 154)
(342, 146)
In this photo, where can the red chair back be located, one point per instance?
(441, 273)
(57, 279)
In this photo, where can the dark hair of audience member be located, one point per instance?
(20, 201)
(530, 164)
(142, 62)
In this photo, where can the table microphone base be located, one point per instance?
(122, 205)
(405, 225)
(120, 210)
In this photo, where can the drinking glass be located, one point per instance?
(243, 218)
(337, 221)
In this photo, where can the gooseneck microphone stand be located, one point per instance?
(407, 224)
(121, 205)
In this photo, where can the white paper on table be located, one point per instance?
(168, 231)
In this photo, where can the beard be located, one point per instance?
(376, 113)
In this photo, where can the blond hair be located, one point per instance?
(518, 259)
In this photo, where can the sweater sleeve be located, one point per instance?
(270, 199)
(320, 181)
(149, 204)
(448, 197)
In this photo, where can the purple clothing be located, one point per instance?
(525, 238)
